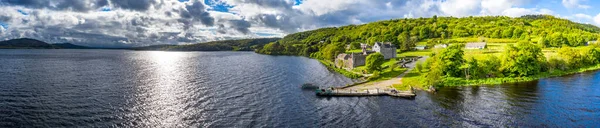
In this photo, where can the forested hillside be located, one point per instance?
(27, 43)
(225, 45)
(546, 30)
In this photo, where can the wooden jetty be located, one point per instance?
(372, 92)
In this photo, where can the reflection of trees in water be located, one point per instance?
(449, 101)
(520, 97)
(449, 98)
(486, 104)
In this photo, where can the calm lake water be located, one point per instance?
(85, 88)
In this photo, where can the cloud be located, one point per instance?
(517, 12)
(460, 8)
(597, 19)
(197, 11)
(575, 4)
(73, 5)
(139, 5)
(583, 16)
(117, 23)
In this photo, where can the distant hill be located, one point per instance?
(225, 45)
(27, 43)
(70, 46)
(545, 30)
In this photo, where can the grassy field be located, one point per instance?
(426, 52)
(495, 47)
(413, 79)
(416, 78)
(349, 74)
(388, 71)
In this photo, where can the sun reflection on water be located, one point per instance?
(162, 102)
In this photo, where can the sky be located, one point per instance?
(126, 23)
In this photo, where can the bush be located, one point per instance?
(524, 59)
(556, 64)
(453, 81)
(419, 67)
(374, 62)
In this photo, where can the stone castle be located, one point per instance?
(352, 60)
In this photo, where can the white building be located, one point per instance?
(476, 45)
(388, 50)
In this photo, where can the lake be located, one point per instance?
(121, 88)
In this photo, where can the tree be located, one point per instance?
(591, 55)
(496, 34)
(517, 32)
(472, 69)
(433, 77)
(424, 33)
(556, 40)
(524, 59)
(419, 66)
(374, 62)
(451, 59)
(542, 42)
(355, 45)
(405, 42)
(571, 57)
(555, 63)
(332, 50)
(490, 65)
(507, 33)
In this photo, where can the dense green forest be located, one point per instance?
(27, 43)
(225, 45)
(545, 30)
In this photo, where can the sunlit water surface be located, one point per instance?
(84, 88)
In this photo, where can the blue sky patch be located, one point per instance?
(22, 12)
(106, 9)
(298, 2)
(184, 0)
(217, 5)
(4, 25)
(265, 34)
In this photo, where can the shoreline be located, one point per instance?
(507, 80)
(343, 72)
(457, 82)
(462, 81)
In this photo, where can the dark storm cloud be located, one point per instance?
(138, 5)
(284, 22)
(5, 18)
(282, 4)
(27, 3)
(75, 5)
(240, 25)
(82, 5)
(197, 11)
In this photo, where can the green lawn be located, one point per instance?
(425, 52)
(412, 79)
(387, 73)
(416, 79)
